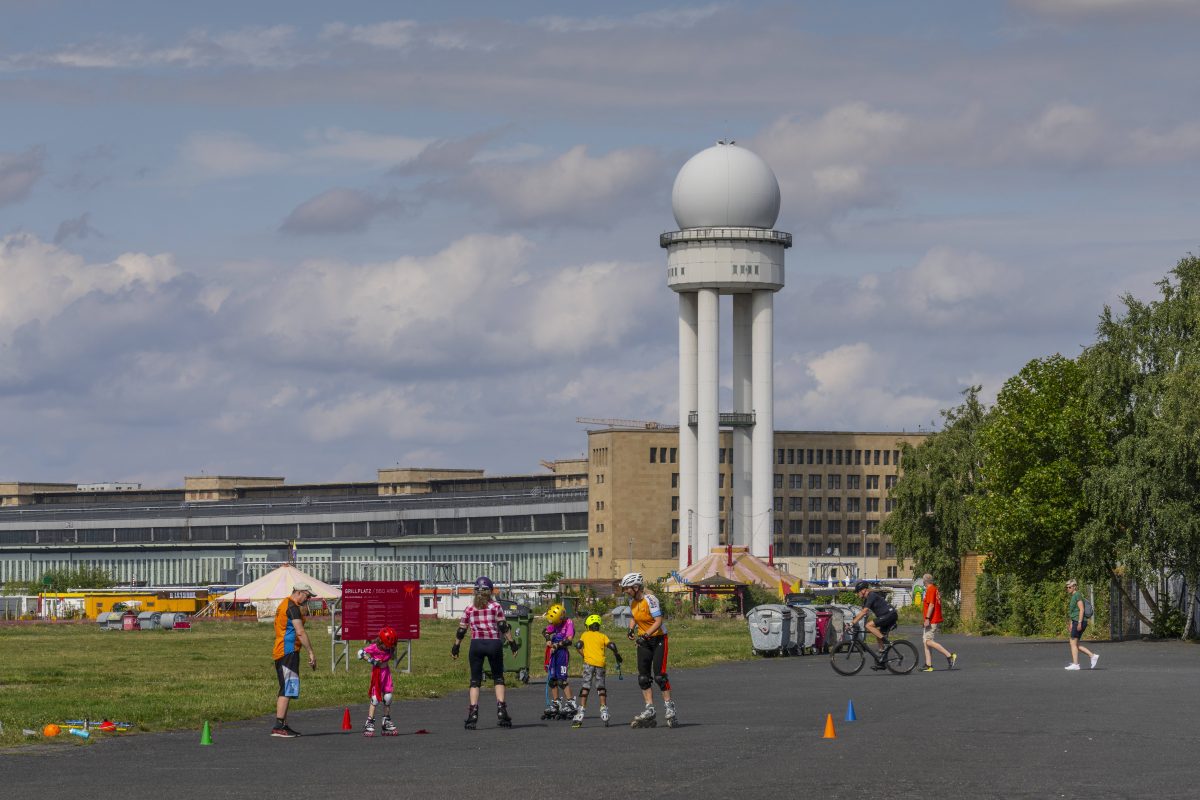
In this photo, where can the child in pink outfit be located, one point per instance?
(379, 653)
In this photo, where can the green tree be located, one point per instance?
(1042, 438)
(932, 521)
(61, 580)
(1144, 375)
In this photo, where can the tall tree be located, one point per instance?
(932, 521)
(1042, 438)
(1144, 374)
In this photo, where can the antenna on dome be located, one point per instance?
(725, 141)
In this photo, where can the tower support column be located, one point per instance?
(687, 434)
(763, 438)
(739, 519)
(708, 323)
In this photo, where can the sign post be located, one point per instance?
(368, 606)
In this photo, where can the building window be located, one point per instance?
(853, 481)
(872, 483)
(873, 549)
(599, 505)
(837, 457)
(674, 549)
(674, 453)
(852, 527)
(892, 572)
(853, 548)
(872, 527)
(674, 526)
(814, 504)
(778, 527)
(599, 552)
(814, 527)
(828, 456)
(887, 456)
(721, 528)
(820, 456)
(889, 481)
(778, 503)
(889, 505)
(591, 552)
(895, 458)
(835, 504)
(795, 481)
(599, 527)
(889, 550)
(674, 502)
(793, 548)
(872, 505)
(834, 527)
(721, 503)
(814, 549)
(853, 504)
(721, 456)
(877, 458)
(662, 455)
(653, 455)
(599, 477)
(778, 480)
(674, 480)
(720, 480)
(779, 456)
(810, 456)
(795, 504)
(835, 481)
(858, 458)
(814, 481)
(794, 527)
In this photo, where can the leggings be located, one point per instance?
(652, 663)
(489, 649)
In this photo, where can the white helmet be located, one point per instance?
(633, 579)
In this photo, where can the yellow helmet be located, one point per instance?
(555, 614)
(593, 619)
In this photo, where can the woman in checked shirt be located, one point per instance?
(484, 618)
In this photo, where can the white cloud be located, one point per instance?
(373, 148)
(226, 154)
(390, 35)
(660, 18)
(1083, 7)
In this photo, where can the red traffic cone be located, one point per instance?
(346, 726)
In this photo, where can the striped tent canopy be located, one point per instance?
(277, 584)
(737, 565)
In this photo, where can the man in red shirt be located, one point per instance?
(931, 617)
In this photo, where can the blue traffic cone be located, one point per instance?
(850, 712)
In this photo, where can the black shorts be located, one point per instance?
(489, 649)
(291, 662)
(652, 657)
(886, 622)
(1077, 628)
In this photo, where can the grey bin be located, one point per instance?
(148, 620)
(772, 630)
(622, 617)
(102, 620)
(167, 619)
(804, 621)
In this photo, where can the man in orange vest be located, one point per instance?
(931, 617)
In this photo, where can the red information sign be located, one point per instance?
(367, 606)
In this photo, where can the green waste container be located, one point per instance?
(520, 617)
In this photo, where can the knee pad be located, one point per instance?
(387, 698)
(475, 684)
(498, 679)
(583, 692)
(662, 682)
(644, 682)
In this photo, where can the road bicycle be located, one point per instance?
(899, 656)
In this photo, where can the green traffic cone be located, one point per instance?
(206, 734)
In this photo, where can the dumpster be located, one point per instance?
(772, 631)
(804, 623)
(825, 635)
(147, 620)
(102, 619)
(520, 617)
(173, 620)
(622, 617)
(129, 621)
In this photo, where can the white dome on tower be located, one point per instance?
(725, 186)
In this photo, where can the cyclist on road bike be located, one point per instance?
(885, 614)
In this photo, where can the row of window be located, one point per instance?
(816, 550)
(815, 482)
(854, 505)
(831, 457)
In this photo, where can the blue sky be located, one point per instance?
(311, 241)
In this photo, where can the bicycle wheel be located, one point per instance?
(848, 658)
(902, 657)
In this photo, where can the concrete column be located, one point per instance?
(763, 445)
(742, 404)
(687, 434)
(708, 324)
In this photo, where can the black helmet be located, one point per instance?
(858, 587)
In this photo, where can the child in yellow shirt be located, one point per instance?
(592, 644)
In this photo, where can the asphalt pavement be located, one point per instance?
(1008, 722)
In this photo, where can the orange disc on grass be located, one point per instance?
(51, 730)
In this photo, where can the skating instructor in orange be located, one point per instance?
(290, 636)
(649, 630)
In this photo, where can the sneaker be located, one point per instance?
(1072, 666)
(952, 659)
(1095, 658)
(284, 732)
(927, 669)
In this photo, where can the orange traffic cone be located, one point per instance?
(830, 733)
(346, 726)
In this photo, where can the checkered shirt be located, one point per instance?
(483, 622)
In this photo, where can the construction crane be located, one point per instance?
(634, 424)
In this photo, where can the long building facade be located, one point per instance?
(829, 496)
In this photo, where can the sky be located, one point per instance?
(314, 240)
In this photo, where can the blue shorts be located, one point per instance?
(560, 660)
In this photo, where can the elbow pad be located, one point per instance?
(460, 633)
(504, 627)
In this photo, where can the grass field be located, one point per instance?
(221, 671)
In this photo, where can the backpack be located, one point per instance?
(1088, 611)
